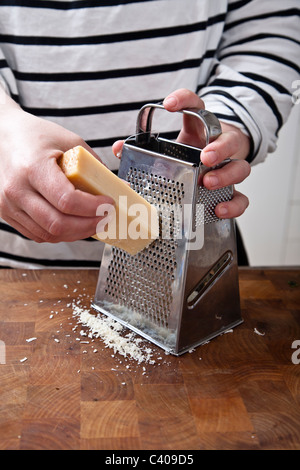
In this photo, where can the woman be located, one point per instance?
(77, 72)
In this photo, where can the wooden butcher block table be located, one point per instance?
(62, 390)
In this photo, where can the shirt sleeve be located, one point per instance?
(3, 86)
(255, 70)
(8, 85)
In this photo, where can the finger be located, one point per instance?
(26, 228)
(55, 226)
(117, 148)
(49, 181)
(183, 99)
(192, 132)
(232, 173)
(225, 146)
(234, 208)
(17, 218)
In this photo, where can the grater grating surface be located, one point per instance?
(209, 199)
(144, 282)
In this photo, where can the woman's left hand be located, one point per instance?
(232, 143)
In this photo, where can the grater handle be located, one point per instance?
(144, 122)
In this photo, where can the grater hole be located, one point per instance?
(209, 200)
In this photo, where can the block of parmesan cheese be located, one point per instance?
(134, 224)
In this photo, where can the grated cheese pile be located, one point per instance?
(110, 331)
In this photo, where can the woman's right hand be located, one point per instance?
(36, 198)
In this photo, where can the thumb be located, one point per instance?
(117, 148)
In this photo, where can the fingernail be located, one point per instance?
(211, 157)
(119, 155)
(171, 101)
(222, 210)
(213, 180)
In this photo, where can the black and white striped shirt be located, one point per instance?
(90, 65)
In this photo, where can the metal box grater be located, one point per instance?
(183, 289)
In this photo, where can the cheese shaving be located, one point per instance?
(113, 335)
(258, 332)
(29, 340)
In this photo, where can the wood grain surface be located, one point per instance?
(239, 391)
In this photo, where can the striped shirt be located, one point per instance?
(90, 66)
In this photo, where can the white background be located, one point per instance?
(271, 225)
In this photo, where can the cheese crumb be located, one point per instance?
(258, 332)
(29, 340)
(110, 331)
